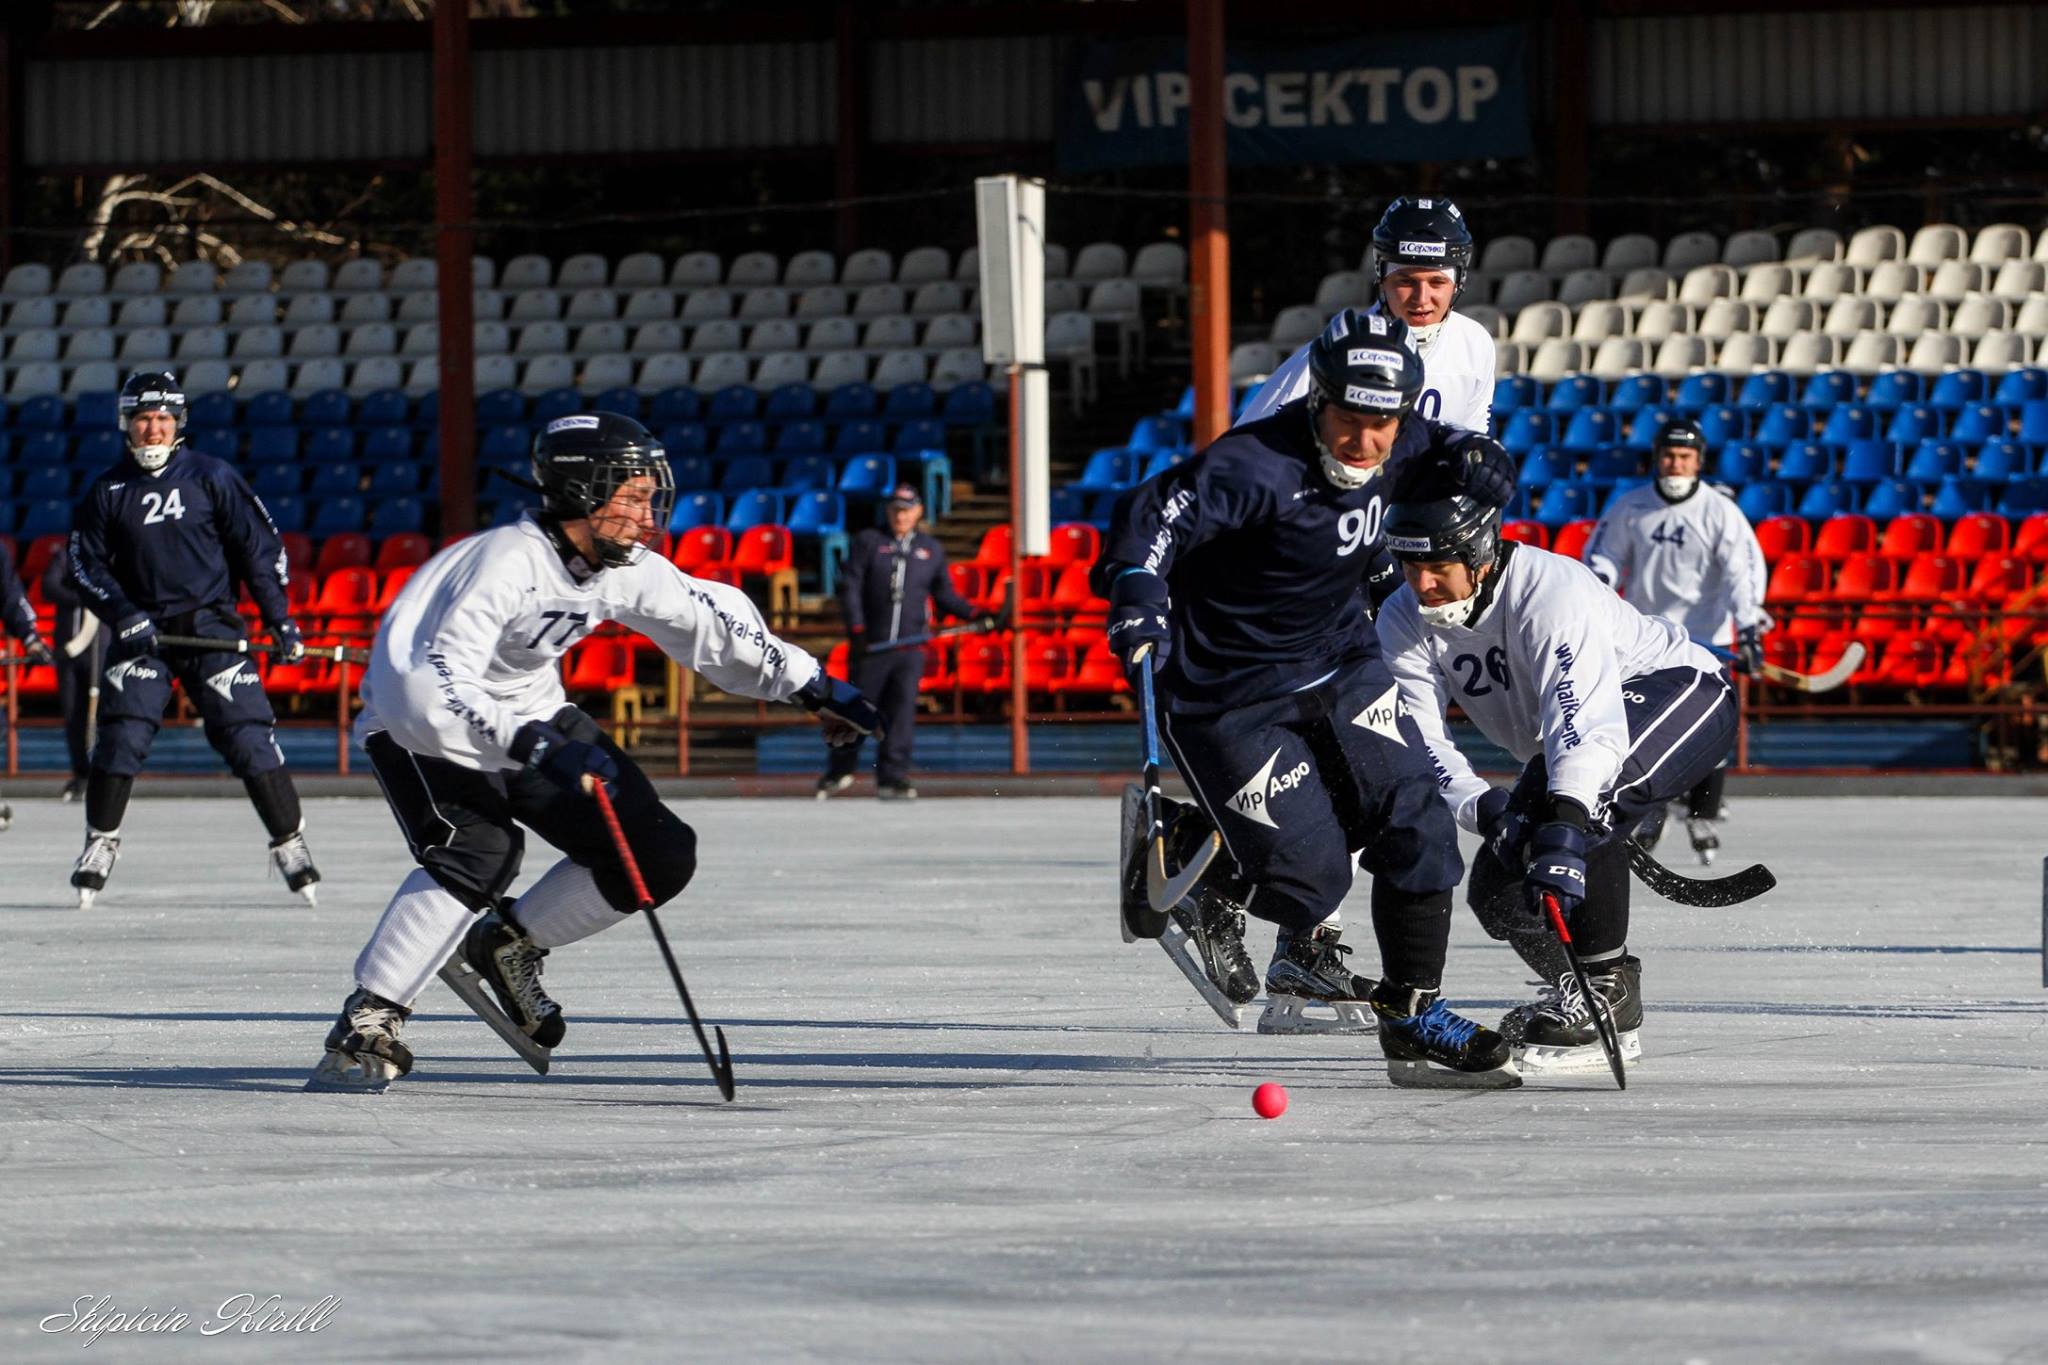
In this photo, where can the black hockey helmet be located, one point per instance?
(151, 391)
(1679, 432)
(582, 460)
(1364, 362)
(1448, 506)
(1422, 232)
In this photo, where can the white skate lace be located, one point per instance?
(292, 855)
(370, 1019)
(98, 857)
(519, 961)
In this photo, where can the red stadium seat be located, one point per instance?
(31, 564)
(1930, 578)
(1074, 542)
(1999, 578)
(1912, 534)
(1527, 532)
(1911, 659)
(1099, 673)
(972, 581)
(1797, 578)
(298, 551)
(940, 673)
(994, 550)
(2031, 540)
(764, 550)
(1039, 580)
(1781, 535)
(602, 663)
(407, 549)
(1048, 661)
(387, 592)
(1572, 537)
(1979, 534)
(1072, 597)
(349, 550)
(985, 664)
(1843, 536)
(704, 546)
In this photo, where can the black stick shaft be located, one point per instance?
(1602, 1025)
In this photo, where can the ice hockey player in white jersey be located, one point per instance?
(1421, 261)
(471, 736)
(1680, 548)
(1612, 712)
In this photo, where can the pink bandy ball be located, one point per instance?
(1269, 1101)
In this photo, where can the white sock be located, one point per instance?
(420, 928)
(564, 906)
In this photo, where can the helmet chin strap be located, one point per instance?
(1345, 476)
(151, 458)
(1450, 613)
(1676, 488)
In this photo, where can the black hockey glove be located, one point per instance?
(291, 645)
(1749, 650)
(561, 760)
(37, 650)
(1557, 867)
(844, 713)
(1137, 618)
(1504, 828)
(134, 636)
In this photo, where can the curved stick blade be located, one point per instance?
(1163, 892)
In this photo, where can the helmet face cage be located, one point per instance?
(1365, 363)
(581, 463)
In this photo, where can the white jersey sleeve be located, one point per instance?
(1695, 562)
(1415, 671)
(471, 648)
(1458, 379)
(1540, 671)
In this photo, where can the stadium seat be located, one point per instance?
(1780, 536)
(1806, 461)
(1827, 498)
(693, 510)
(1765, 498)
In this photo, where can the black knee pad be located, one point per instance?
(667, 850)
(478, 868)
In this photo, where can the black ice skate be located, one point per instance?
(95, 865)
(1560, 1035)
(831, 785)
(295, 861)
(1706, 840)
(1308, 971)
(6, 816)
(1428, 1047)
(1205, 931)
(509, 962)
(363, 1051)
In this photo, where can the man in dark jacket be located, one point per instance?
(17, 618)
(892, 576)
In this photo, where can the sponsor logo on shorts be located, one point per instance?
(1382, 715)
(1254, 800)
(237, 674)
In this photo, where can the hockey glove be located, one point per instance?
(1557, 867)
(291, 646)
(134, 636)
(1137, 618)
(37, 650)
(986, 621)
(1749, 650)
(1502, 827)
(571, 764)
(844, 713)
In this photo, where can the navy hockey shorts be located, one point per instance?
(1295, 784)
(224, 688)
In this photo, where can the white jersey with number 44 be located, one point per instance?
(1458, 388)
(1541, 671)
(1696, 562)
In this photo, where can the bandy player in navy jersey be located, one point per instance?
(158, 544)
(1245, 578)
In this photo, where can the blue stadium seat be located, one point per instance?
(1622, 487)
(1154, 433)
(1701, 389)
(2021, 498)
(6, 440)
(1848, 423)
(1932, 461)
(337, 516)
(1953, 389)
(1978, 423)
(868, 476)
(1765, 389)
(506, 446)
(702, 508)
(1765, 498)
(2034, 422)
(624, 401)
(1068, 504)
(859, 437)
(44, 412)
(7, 516)
(851, 400)
(1510, 391)
(1805, 461)
(1892, 498)
(928, 433)
(98, 449)
(1722, 423)
(1110, 467)
(553, 403)
(49, 517)
(674, 405)
(1783, 423)
(1998, 461)
(910, 402)
(1958, 497)
(1741, 463)
(383, 408)
(1528, 428)
(755, 507)
(733, 403)
(686, 438)
(743, 472)
(1642, 429)
(508, 510)
(817, 512)
(500, 407)
(1637, 392)
(267, 444)
(1565, 502)
(1912, 422)
(330, 443)
(801, 438)
(1590, 429)
(387, 443)
(1614, 466)
(691, 472)
(427, 416)
(1870, 461)
(1162, 460)
(1573, 392)
(1894, 389)
(972, 404)
(806, 473)
(220, 442)
(1827, 498)
(325, 408)
(98, 412)
(277, 480)
(395, 479)
(1100, 509)
(790, 403)
(1544, 466)
(335, 480)
(272, 408)
(43, 447)
(397, 516)
(1826, 388)
(210, 410)
(742, 438)
(44, 481)
(2025, 385)
(287, 513)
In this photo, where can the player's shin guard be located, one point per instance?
(563, 906)
(419, 929)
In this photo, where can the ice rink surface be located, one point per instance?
(973, 1125)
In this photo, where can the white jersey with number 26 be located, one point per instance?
(1458, 389)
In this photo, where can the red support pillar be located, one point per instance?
(453, 246)
(1209, 284)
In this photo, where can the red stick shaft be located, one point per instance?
(1564, 935)
(632, 864)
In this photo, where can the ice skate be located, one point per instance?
(74, 790)
(1560, 1036)
(295, 861)
(363, 1051)
(830, 785)
(1308, 973)
(1706, 840)
(1428, 1047)
(6, 816)
(509, 962)
(1205, 938)
(94, 866)
(896, 791)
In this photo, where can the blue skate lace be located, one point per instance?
(1439, 1026)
